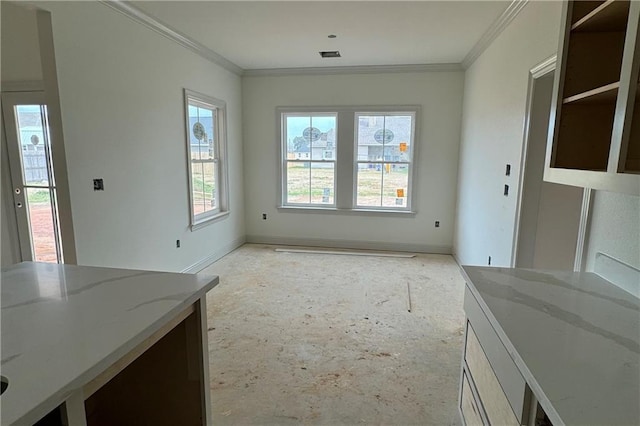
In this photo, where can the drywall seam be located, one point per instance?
(165, 30)
(360, 245)
(493, 31)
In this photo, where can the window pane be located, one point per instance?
(209, 184)
(32, 145)
(369, 186)
(322, 183)
(201, 135)
(298, 183)
(310, 137)
(395, 185)
(41, 222)
(204, 187)
(384, 137)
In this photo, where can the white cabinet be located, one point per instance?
(594, 133)
(494, 383)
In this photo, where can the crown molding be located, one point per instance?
(165, 30)
(493, 31)
(544, 67)
(361, 69)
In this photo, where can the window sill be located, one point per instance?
(355, 212)
(208, 221)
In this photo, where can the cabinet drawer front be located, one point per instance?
(469, 406)
(513, 384)
(493, 399)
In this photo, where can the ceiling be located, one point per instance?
(289, 34)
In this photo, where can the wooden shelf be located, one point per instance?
(612, 15)
(583, 8)
(604, 94)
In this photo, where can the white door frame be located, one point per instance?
(9, 100)
(539, 71)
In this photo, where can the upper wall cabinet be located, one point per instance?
(594, 133)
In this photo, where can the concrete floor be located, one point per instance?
(327, 339)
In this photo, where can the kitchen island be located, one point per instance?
(549, 347)
(91, 346)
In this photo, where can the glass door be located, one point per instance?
(33, 181)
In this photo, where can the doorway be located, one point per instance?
(33, 183)
(549, 215)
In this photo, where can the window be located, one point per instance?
(309, 141)
(370, 169)
(384, 145)
(205, 120)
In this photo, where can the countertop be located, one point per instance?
(574, 336)
(62, 325)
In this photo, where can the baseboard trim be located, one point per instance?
(346, 244)
(221, 252)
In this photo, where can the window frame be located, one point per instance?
(410, 163)
(193, 98)
(345, 184)
(283, 201)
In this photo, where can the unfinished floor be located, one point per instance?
(328, 339)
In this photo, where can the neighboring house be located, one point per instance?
(380, 140)
(324, 148)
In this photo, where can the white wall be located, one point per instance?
(615, 228)
(123, 120)
(492, 133)
(439, 93)
(19, 44)
(20, 63)
(558, 225)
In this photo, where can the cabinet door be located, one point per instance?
(493, 398)
(468, 405)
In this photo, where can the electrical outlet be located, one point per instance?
(177, 243)
(264, 216)
(489, 261)
(437, 224)
(98, 185)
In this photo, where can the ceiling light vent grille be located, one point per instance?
(330, 54)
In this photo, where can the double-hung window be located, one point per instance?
(309, 162)
(384, 143)
(205, 119)
(348, 158)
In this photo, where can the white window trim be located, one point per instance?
(345, 193)
(220, 154)
(309, 159)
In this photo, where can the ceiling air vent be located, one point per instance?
(330, 54)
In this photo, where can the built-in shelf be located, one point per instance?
(604, 94)
(594, 141)
(612, 15)
(581, 9)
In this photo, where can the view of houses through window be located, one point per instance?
(383, 147)
(384, 159)
(205, 120)
(311, 155)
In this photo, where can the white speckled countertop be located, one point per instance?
(62, 325)
(574, 336)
